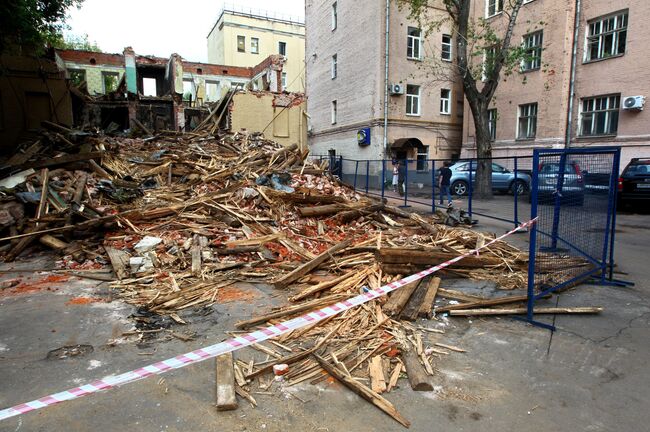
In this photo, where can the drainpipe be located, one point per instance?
(386, 58)
(572, 82)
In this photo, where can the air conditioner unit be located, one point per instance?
(396, 89)
(634, 103)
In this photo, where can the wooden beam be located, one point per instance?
(417, 375)
(377, 378)
(429, 299)
(412, 309)
(225, 374)
(523, 310)
(482, 303)
(62, 160)
(120, 262)
(367, 394)
(311, 265)
(398, 299)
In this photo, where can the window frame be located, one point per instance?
(255, 45)
(77, 71)
(599, 37)
(282, 46)
(413, 100)
(283, 80)
(534, 62)
(413, 43)
(498, 8)
(335, 16)
(334, 69)
(445, 101)
(492, 123)
(106, 74)
(595, 112)
(422, 159)
(531, 120)
(450, 48)
(334, 111)
(241, 43)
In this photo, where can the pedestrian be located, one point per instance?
(395, 176)
(401, 177)
(444, 183)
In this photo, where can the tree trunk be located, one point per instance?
(483, 184)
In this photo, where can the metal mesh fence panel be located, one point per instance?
(573, 198)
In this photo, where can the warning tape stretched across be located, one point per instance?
(235, 343)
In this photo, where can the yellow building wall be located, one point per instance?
(222, 45)
(254, 112)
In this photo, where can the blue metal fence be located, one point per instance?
(418, 183)
(573, 197)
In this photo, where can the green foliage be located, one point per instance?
(75, 42)
(32, 24)
(111, 81)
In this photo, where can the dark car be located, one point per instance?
(634, 183)
(573, 185)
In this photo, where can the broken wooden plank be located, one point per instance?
(523, 310)
(361, 390)
(398, 299)
(62, 160)
(432, 258)
(311, 265)
(482, 303)
(225, 381)
(417, 375)
(120, 262)
(377, 378)
(53, 242)
(411, 310)
(429, 299)
(196, 255)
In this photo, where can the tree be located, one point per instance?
(75, 42)
(483, 54)
(28, 25)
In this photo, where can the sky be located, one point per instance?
(162, 27)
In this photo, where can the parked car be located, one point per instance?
(573, 186)
(634, 183)
(503, 180)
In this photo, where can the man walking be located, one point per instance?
(401, 177)
(443, 183)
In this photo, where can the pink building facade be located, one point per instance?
(584, 85)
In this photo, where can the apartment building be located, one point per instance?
(245, 38)
(584, 83)
(372, 100)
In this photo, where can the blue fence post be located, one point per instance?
(367, 175)
(340, 173)
(406, 182)
(433, 186)
(558, 201)
(516, 193)
(356, 170)
(469, 189)
(383, 178)
(617, 167)
(532, 250)
(611, 209)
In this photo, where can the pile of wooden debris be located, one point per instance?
(181, 216)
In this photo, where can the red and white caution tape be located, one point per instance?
(235, 343)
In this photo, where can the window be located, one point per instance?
(599, 115)
(533, 51)
(110, 81)
(255, 46)
(445, 101)
(489, 61)
(334, 66)
(188, 90)
(446, 47)
(282, 48)
(241, 43)
(212, 91)
(284, 80)
(77, 76)
(423, 156)
(150, 86)
(334, 112)
(413, 100)
(414, 43)
(335, 17)
(493, 7)
(527, 121)
(606, 37)
(492, 123)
